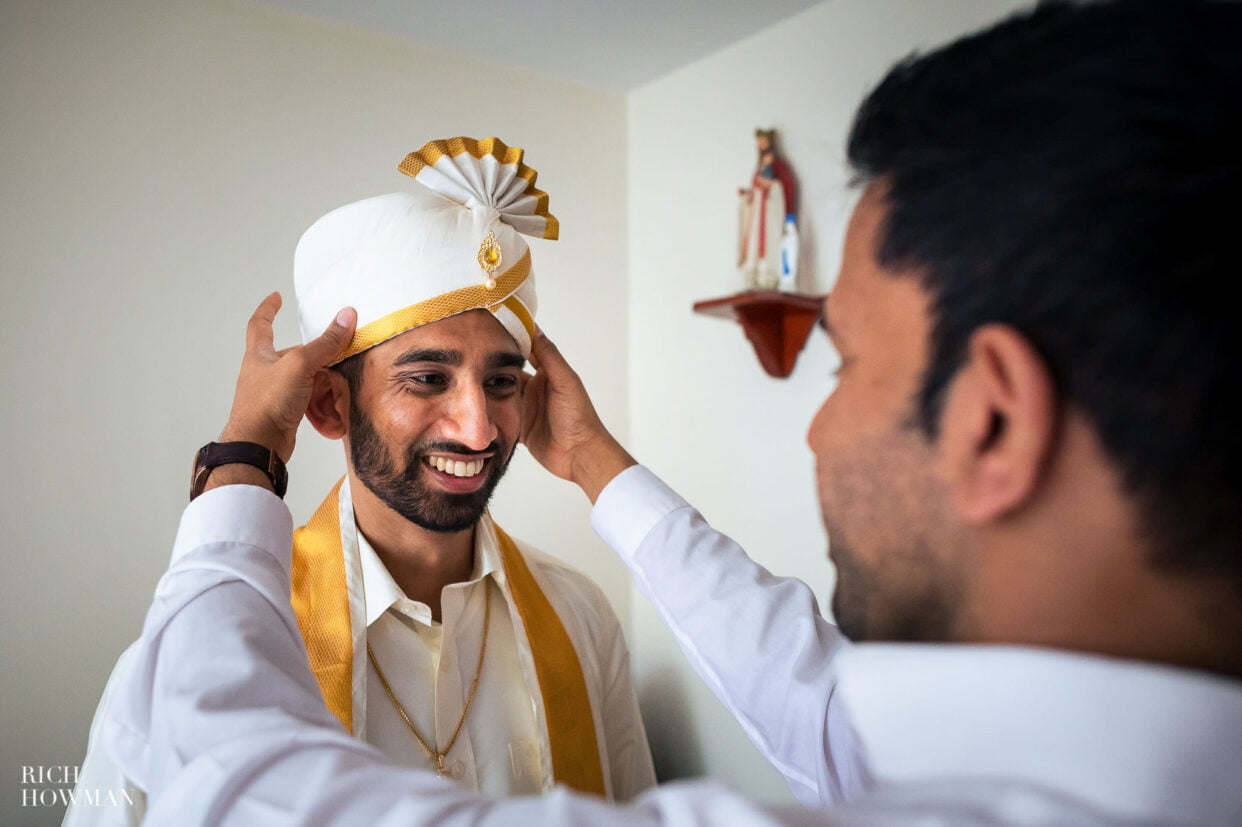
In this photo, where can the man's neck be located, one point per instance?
(421, 562)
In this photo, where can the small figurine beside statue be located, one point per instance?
(768, 221)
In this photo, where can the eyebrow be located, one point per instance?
(455, 358)
(429, 354)
(506, 359)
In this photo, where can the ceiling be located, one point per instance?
(615, 45)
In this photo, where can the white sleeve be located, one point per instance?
(103, 796)
(758, 641)
(220, 719)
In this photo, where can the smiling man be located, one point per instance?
(432, 634)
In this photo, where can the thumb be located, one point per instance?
(328, 345)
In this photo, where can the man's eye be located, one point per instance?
(423, 381)
(503, 383)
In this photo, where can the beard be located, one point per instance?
(869, 604)
(899, 575)
(405, 489)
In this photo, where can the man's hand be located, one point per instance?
(560, 427)
(274, 387)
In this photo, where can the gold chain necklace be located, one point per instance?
(439, 757)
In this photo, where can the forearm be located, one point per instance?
(237, 473)
(250, 429)
(757, 640)
(599, 463)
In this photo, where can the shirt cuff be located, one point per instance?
(248, 514)
(630, 506)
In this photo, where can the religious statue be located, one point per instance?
(768, 220)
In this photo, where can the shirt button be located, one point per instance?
(457, 769)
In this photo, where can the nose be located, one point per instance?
(467, 419)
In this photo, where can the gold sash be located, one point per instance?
(321, 603)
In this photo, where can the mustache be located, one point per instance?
(495, 447)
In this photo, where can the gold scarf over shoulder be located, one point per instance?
(321, 603)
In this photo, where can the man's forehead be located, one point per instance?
(865, 292)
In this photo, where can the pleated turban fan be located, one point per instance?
(452, 244)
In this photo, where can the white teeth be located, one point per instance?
(456, 468)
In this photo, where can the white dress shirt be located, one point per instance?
(430, 666)
(222, 721)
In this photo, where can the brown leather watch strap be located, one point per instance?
(214, 454)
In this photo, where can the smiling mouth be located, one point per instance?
(457, 468)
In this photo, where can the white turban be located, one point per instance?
(408, 259)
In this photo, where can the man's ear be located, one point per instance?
(999, 424)
(328, 411)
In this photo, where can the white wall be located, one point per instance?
(160, 160)
(702, 412)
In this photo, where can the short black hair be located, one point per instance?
(351, 368)
(1075, 172)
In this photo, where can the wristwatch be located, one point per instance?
(226, 453)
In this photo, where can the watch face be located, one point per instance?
(280, 476)
(200, 471)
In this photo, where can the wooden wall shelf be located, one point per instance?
(776, 323)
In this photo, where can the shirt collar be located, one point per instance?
(1131, 737)
(381, 591)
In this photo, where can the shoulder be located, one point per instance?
(572, 593)
(552, 572)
